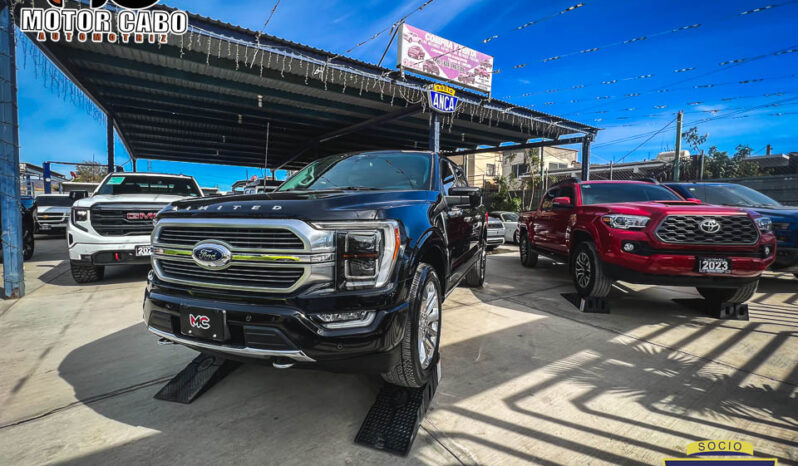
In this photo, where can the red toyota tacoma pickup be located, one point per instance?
(642, 232)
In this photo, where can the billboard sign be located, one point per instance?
(439, 58)
(442, 98)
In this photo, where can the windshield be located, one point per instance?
(611, 193)
(508, 217)
(731, 195)
(54, 201)
(138, 184)
(377, 171)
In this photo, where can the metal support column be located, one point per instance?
(13, 273)
(48, 177)
(133, 161)
(586, 158)
(110, 142)
(435, 133)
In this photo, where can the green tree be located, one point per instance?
(91, 172)
(504, 199)
(718, 164)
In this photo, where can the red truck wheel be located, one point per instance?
(529, 258)
(587, 274)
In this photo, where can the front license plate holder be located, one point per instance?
(205, 324)
(143, 251)
(713, 265)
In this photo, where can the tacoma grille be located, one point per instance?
(684, 229)
(124, 219)
(234, 276)
(243, 238)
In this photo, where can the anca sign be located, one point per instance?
(442, 99)
(133, 22)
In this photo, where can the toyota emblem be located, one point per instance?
(709, 225)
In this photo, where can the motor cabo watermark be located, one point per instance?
(132, 22)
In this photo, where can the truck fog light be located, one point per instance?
(628, 247)
(340, 320)
(767, 251)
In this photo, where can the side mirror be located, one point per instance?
(458, 193)
(562, 203)
(78, 195)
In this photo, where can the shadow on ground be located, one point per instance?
(577, 388)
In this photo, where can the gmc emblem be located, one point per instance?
(141, 215)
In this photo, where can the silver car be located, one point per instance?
(495, 233)
(510, 221)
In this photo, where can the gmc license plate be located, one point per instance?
(207, 324)
(714, 265)
(143, 251)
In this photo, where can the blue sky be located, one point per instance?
(54, 129)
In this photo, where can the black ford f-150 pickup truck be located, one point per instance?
(344, 267)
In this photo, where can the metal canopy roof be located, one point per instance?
(208, 96)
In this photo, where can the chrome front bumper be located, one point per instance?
(241, 351)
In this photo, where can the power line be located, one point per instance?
(644, 142)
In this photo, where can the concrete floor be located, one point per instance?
(526, 378)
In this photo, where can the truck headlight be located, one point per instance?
(625, 222)
(367, 251)
(80, 215)
(765, 224)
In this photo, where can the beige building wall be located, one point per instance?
(481, 168)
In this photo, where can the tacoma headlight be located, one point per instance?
(625, 222)
(765, 224)
(367, 251)
(80, 214)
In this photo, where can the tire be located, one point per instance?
(529, 258)
(411, 371)
(87, 273)
(515, 237)
(28, 244)
(737, 295)
(587, 272)
(476, 276)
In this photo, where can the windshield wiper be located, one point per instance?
(357, 188)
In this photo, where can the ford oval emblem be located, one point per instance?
(211, 256)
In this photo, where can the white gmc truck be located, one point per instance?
(113, 225)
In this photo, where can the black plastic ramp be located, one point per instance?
(393, 420)
(195, 379)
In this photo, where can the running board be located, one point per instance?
(395, 417)
(196, 378)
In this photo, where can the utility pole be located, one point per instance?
(769, 149)
(677, 159)
(701, 165)
(13, 272)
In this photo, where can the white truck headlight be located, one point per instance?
(765, 224)
(625, 222)
(367, 251)
(80, 214)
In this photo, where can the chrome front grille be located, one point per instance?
(235, 276)
(244, 238)
(56, 219)
(685, 229)
(267, 255)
